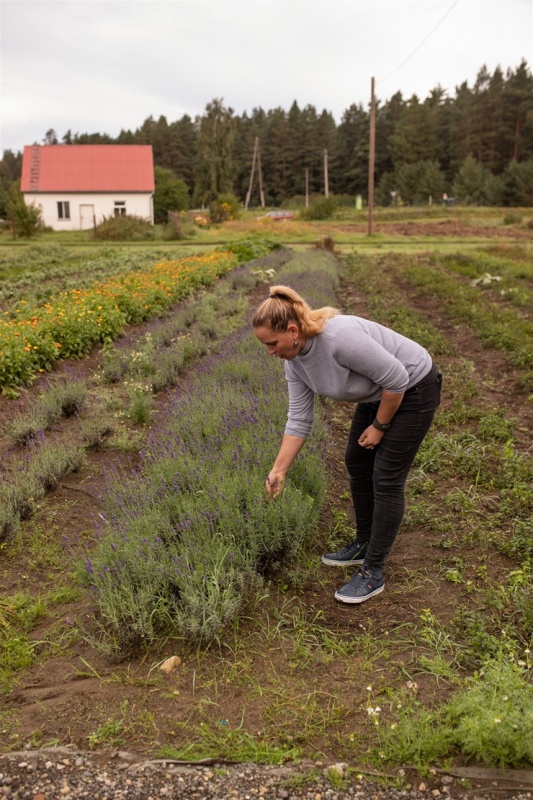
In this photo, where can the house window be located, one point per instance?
(63, 209)
(120, 208)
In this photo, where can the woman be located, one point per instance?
(397, 390)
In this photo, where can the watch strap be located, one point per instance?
(380, 426)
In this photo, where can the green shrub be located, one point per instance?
(180, 226)
(25, 217)
(224, 208)
(321, 209)
(492, 718)
(124, 227)
(140, 402)
(171, 194)
(249, 248)
(512, 219)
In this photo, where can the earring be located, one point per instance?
(296, 343)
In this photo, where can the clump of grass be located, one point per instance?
(209, 741)
(59, 399)
(18, 615)
(140, 404)
(39, 472)
(489, 719)
(412, 734)
(123, 228)
(492, 718)
(96, 430)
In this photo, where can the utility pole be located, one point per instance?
(371, 159)
(260, 171)
(256, 156)
(307, 187)
(326, 181)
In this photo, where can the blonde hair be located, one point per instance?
(284, 306)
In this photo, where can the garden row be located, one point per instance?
(40, 328)
(482, 448)
(38, 272)
(482, 526)
(69, 325)
(192, 532)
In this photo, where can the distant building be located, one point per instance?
(77, 185)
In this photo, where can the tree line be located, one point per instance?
(476, 146)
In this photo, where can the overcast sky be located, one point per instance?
(106, 65)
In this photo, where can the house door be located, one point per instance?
(86, 217)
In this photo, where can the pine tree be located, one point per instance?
(518, 114)
(215, 169)
(352, 150)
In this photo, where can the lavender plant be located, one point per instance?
(24, 486)
(62, 398)
(193, 532)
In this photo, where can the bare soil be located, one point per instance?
(444, 229)
(73, 688)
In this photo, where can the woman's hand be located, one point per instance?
(370, 438)
(274, 483)
(290, 447)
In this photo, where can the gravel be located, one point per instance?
(63, 773)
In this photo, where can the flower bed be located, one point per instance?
(33, 339)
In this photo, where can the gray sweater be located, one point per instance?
(353, 359)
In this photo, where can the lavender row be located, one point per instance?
(192, 534)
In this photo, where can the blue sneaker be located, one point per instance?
(366, 582)
(353, 553)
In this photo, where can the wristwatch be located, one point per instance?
(379, 426)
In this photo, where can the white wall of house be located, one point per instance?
(74, 212)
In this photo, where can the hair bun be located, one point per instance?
(281, 293)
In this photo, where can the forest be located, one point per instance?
(476, 147)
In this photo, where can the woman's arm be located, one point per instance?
(290, 447)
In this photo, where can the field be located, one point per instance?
(181, 410)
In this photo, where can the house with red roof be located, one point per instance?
(78, 185)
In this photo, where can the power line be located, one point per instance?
(422, 43)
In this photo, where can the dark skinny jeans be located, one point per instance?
(377, 477)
